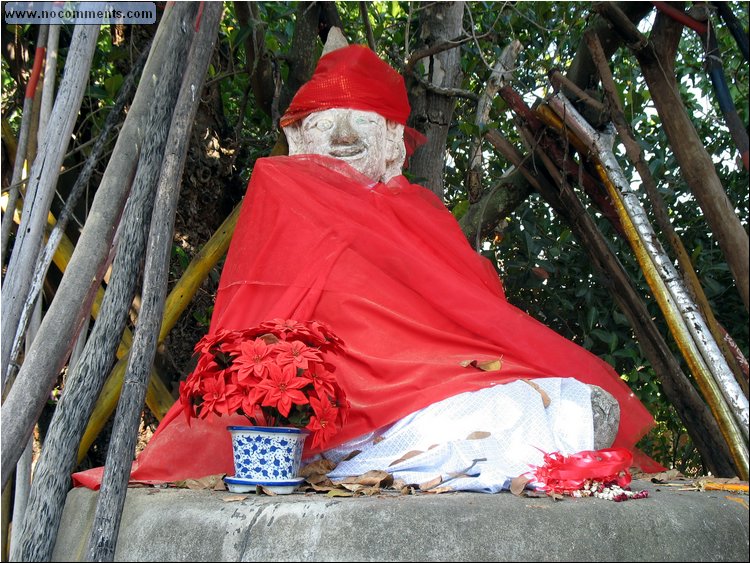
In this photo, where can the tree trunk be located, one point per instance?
(431, 110)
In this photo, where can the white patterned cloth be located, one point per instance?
(477, 441)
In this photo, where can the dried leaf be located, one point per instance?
(354, 453)
(545, 398)
(439, 490)
(268, 492)
(269, 338)
(353, 487)
(319, 467)
(431, 484)
(374, 477)
(370, 491)
(317, 479)
(478, 435)
(214, 482)
(399, 484)
(234, 498)
(518, 484)
(484, 365)
(339, 493)
(491, 365)
(407, 455)
(669, 475)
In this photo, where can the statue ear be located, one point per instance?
(395, 151)
(293, 134)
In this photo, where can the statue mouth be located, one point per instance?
(349, 152)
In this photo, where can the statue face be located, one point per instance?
(354, 136)
(363, 139)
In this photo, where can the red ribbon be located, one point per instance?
(569, 473)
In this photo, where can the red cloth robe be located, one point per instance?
(388, 268)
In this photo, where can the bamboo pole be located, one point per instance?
(23, 136)
(733, 356)
(158, 398)
(42, 181)
(104, 531)
(702, 354)
(177, 301)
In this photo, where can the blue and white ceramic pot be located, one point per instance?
(267, 454)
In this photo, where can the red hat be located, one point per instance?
(355, 77)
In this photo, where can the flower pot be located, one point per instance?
(266, 456)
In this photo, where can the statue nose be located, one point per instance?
(343, 132)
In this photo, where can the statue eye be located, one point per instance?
(324, 124)
(361, 120)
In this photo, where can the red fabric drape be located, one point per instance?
(388, 268)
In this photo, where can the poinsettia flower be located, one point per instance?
(282, 388)
(271, 373)
(323, 423)
(297, 354)
(253, 361)
(214, 393)
(323, 379)
(186, 398)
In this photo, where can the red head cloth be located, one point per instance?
(355, 77)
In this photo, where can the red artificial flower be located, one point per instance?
(253, 361)
(297, 354)
(275, 374)
(322, 378)
(282, 388)
(323, 422)
(214, 397)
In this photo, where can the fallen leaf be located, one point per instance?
(431, 484)
(374, 477)
(484, 365)
(269, 338)
(399, 484)
(478, 435)
(407, 455)
(355, 453)
(319, 467)
(490, 365)
(339, 493)
(369, 491)
(234, 498)
(353, 487)
(317, 479)
(669, 475)
(439, 490)
(545, 398)
(208, 482)
(518, 484)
